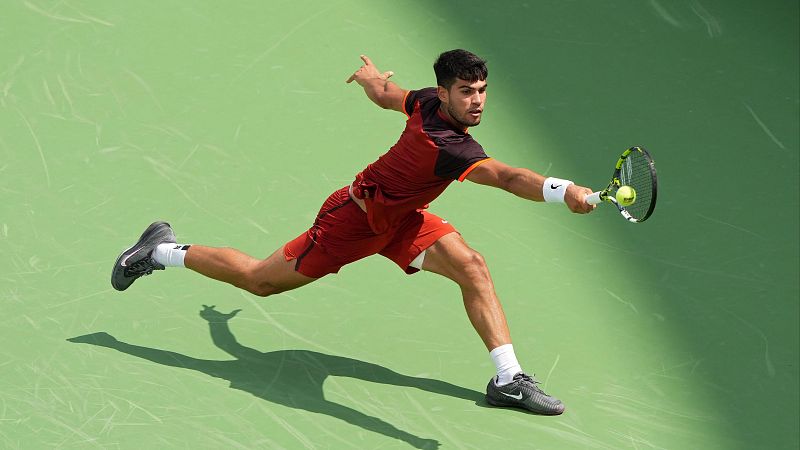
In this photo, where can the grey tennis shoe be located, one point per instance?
(138, 260)
(524, 393)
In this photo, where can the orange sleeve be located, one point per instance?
(405, 97)
(471, 168)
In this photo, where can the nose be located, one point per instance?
(477, 98)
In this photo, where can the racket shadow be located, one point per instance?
(292, 378)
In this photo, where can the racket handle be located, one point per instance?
(593, 198)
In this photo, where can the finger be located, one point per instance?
(388, 74)
(352, 77)
(366, 60)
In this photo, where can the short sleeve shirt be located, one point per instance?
(430, 154)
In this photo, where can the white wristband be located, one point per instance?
(554, 189)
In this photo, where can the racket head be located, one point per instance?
(634, 168)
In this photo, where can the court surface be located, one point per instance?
(233, 122)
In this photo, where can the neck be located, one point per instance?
(446, 115)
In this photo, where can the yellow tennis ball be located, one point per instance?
(626, 195)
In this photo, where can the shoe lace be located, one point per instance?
(139, 268)
(533, 382)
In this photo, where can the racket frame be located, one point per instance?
(607, 194)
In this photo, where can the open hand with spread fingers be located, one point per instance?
(368, 72)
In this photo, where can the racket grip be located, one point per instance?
(593, 198)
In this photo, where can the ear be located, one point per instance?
(444, 95)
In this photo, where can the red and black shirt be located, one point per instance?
(430, 154)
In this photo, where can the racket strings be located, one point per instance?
(636, 173)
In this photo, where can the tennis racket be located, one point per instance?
(634, 168)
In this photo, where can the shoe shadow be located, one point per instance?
(291, 378)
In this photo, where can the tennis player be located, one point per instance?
(384, 211)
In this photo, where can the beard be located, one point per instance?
(463, 121)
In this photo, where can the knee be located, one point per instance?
(262, 289)
(474, 268)
(255, 284)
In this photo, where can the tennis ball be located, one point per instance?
(626, 195)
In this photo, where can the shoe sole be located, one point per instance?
(122, 255)
(518, 406)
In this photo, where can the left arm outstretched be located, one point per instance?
(377, 86)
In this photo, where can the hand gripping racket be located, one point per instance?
(635, 168)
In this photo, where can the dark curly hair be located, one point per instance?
(459, 64)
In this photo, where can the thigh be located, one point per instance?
(449, 256)
(416, 233)
(279, 273)
(340, 235)
(316, 255)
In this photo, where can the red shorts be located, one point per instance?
(341, 235)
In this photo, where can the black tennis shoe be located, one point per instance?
(524, 393)
(138, 260)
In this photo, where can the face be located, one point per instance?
(464, 101)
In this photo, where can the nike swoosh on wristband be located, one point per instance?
(553, 186)
(517, 397)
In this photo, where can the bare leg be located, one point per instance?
(261, 277)
(452, 257)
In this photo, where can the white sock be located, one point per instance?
(506, 362)
(170, 254)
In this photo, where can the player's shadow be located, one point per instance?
(292, 378)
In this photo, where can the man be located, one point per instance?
(383, 211)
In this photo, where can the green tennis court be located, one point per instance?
(232, 121)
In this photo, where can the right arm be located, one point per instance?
(377, 86)
(527, 184)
